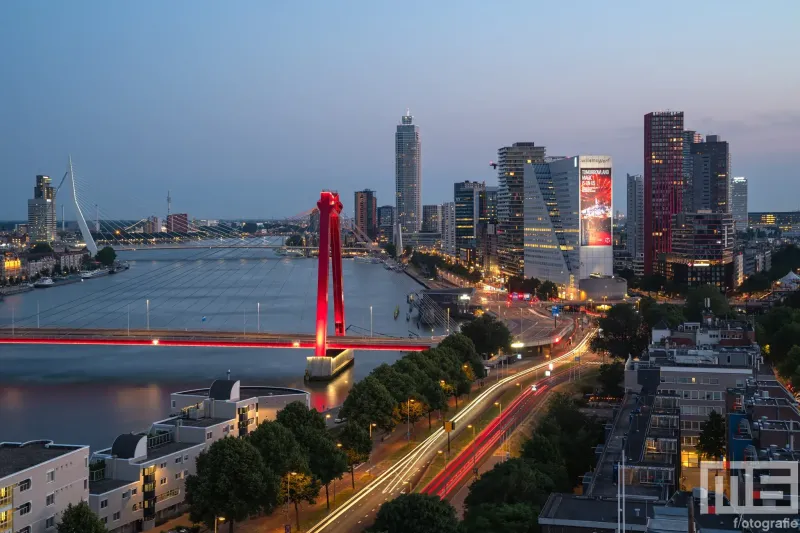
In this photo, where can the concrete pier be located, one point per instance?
(328, 367)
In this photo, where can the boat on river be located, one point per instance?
(44, 283)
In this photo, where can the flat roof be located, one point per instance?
(167, 449)
(107, 485)
(248, 391)
(577, 511)
(18, 456)
(199, 423)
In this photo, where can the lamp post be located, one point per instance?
(370, 321)
(258, 312)
(498, 404)
(147, 303)
(218, 519)
(288, 497)
(408, 420)
(474, 450)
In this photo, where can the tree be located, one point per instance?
(653, 282)
(711, 443)
(80, 519)
(356, 445)
(622, 333)
(325, 460)
(294, 240)
(653, 313)
(42, 248)
(508, 518)
(249, 227)
(391, 249)
(783, 341)
(296, 416)
(415, 513)
(488, 335)
(278, 447)
(465, 349)
(789, 368)
(695, 302)
(231, 481)
(547, 291)
(369, 402)
(627, 274)
(400, 386)
(611, 376)
(297, 488)
(408, 250)
(106, 256)
(512, 481)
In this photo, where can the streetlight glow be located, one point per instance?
(518, 344)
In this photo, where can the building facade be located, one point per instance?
(152, 225)
(408, 175)
(739, 202)
(663, 182)
(431, 218)
(366, 213)
(38, 480)
(634, 222)
(42, 211)
(178, 223)
(711, 164)
(511, 161)
(689, 138)
(702, 250)
(449, 228)
(568, 219)
(470, 205)
(385, 223)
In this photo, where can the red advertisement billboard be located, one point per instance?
(596, 207)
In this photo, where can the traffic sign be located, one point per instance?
(555, 310)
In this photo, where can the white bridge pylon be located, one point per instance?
(87, 235)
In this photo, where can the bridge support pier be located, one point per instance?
(330, 251)
(328, 367)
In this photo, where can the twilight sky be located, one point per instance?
(249, 108)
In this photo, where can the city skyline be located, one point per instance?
(144, 105)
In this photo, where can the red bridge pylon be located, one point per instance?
(330, 251)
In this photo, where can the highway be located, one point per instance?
(359, 511)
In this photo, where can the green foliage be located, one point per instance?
(106, 256)
(391, 249)
(465, 349)
(488, 335)
(623, 333)
(653, 313)
(356, 445)
(279, 448)
(520, 284)
(784, 260)
(231, 481)
(510, 482)
(610, 378)
(297, 488)
(415, 513)
(370, 402)
(508, 518)
(297, 417)
(249, 227)
(711, 443)
(401, 386)
(295, 240)
(431, 263)
(695, 302)
(80, 519)
(627, 274)
(547, 290)
(653, 283)
(755, 283)
(42, 248)
(789, 368)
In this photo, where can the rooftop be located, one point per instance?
(16, 457)
(249, 391)
(582, 511)
(107, 485)
(167, 449)
(194, 423)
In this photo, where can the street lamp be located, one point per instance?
(474, 451)
(372, 425)
(408, 421)
(498, 404)
(218, 519)
(288, 496)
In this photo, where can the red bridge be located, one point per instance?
(330, 259)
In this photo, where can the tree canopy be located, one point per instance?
(695, 302)
(80, 519)
(106, 256)
(279, 448)
(622, 332)
(356, 445)
(488, 335)
(295, 240)
(712, 439)
(42, 248)
(249, 227)
(416, 513)
(231, 481)
(611, 377)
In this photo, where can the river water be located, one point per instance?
(89, 395)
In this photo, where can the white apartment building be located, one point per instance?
(38, 479)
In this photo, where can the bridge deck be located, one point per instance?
(204, 338)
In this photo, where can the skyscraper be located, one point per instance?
(42, 211)
(739, 202)
(432, 218)
(385, 223)
(366, 213)
(689, 138)
(663, 182)
(470, 200)
(449, 228)
(178, 223)
(511, 161)
(408, 175)
(635, 221)
(711, 164)
(491, 203)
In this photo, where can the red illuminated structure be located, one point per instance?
(330, 251)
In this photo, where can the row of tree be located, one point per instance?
(415, 385)
(508, 497)
(432, 263)
(785, 260)
(544, 290)
(779, 333)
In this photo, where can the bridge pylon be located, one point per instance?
(330, 259)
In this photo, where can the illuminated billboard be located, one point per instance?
(595, 207)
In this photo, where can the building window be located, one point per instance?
(51, 476)
(177, 475)
(135, 507)
(185, 474)
(186, 457)
(103, 504)
(50, 522)
(85, 484)
(178, 460)
(173, 404)
(134, 491)
(50, 500)
(24, 485)
(162, 465)
(104, 520)
(24, 509)
(163, 481)
(209, 435)
(116, 516)
(26, 529)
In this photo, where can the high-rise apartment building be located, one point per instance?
(711, 164)
(408, 175)
(739, 202)
(385, 223)
(568, 226)
(178, 223)
(663, 182)
(470, 206)
(511, 161)
(449, 228)
(634, 222)
(689, 138)
(702, 250)
(491, 203)
(152, 225)
(366, 215)
(432, 218)
(42, 211)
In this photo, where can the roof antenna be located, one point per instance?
(408, 111)
(229, 374)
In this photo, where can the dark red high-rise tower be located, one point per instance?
(663, 181)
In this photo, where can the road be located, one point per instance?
(360, 510)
